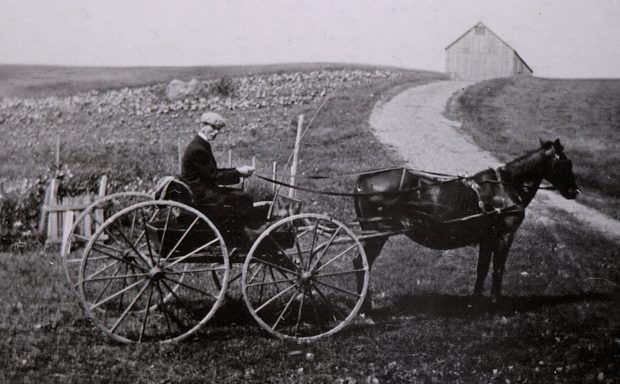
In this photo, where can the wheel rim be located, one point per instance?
(150, 280)
(86, 224)
(305, 287)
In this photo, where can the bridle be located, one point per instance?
(561, 162)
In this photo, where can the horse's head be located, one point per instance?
(560, 170)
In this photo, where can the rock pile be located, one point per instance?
(178, 89)
(249, 92)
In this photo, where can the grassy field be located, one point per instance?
(558, 323)
(507, 116)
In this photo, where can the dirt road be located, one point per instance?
(413, 123)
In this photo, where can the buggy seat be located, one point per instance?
(222, 215)
(171, 188)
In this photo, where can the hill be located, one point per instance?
(507, 116)
(37, 81)
(111, 116)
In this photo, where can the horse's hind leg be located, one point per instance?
(372, 248)
(484, 261)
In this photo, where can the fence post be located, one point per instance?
(66, 227)
(103, 185)
(99, 216)
(243, 178)
(46, 202)
(179, 156)
(87, 224)
(300, 125)
(274, 174)
(52, 217)
(57, 153)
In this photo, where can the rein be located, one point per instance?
(385, 193)
(359, 173)
(353, 194)
(335, 193)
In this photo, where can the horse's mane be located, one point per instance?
(529, 160)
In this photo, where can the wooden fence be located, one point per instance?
(59, 214)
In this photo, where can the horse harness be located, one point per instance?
(499, 203)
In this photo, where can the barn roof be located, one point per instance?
(480, 24)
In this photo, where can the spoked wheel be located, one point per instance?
(300, 277)
(146, 273)
(86, 224)
(233, 291)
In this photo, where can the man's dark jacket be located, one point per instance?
(199, 170)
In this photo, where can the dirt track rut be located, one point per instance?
(413, 123)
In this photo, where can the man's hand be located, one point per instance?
(245, 170)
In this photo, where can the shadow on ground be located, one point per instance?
(471, 306)
(234, 320)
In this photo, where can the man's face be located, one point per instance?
(209, 131)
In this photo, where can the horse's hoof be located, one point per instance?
(496, 297)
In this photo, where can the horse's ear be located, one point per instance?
(545, 144)
(557, 145)
(548, 146)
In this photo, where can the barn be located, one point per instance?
(480, 54)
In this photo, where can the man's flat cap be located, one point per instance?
(213, 119)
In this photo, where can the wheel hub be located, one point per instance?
(304, 277)
(155, 273)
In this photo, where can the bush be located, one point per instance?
(224, 87)
(21, 204)
(20, 211)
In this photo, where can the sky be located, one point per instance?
(557, 38)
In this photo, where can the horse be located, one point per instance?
(447, 213)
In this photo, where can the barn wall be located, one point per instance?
(520, 68)
(478, 56)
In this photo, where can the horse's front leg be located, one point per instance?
(484, 261)
(372, 248)
(504, 242)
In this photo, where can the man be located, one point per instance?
(199, 170)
